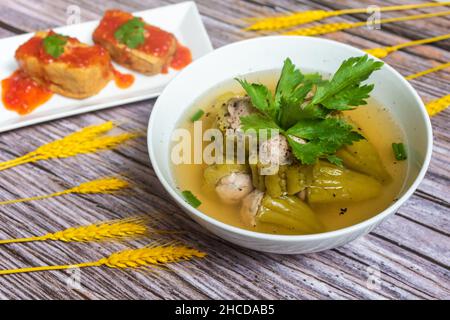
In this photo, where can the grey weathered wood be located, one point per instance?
(410, 250)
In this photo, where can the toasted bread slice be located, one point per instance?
(79, 72)
(150, 57)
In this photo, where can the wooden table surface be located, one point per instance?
(407, 257)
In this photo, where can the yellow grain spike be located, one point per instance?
(89, 139)
(104, 185)
(384, 51)
(425, 72)
(333, 27)
(282, 22)
(132, 258)
(438, 105)
(299, 18)
(109, 230)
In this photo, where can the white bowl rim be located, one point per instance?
(289, 238)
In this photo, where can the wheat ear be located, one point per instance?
(438, 105)
(109, 230)
(384, 51)
(104, 185)
(333, 27)
(131, 258)
(298, 18)
(89, 139)
(425, 72)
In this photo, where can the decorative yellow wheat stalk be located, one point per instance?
(104, 185)
(89, 139)
(425, 72)
(384, 51)
(109, 230)
(438, 105)
(131, 258)
(333, 27)
(298, 18)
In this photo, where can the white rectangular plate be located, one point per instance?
(182, 19)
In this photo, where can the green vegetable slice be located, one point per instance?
(399, 151)
(191, 199)
(197, 115)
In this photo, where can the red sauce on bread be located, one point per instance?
(123, 80)
(157, 41)
(111, 21)
(181, 58)
(33, 47)
(22, 94)
(85, 56)
(75, 53)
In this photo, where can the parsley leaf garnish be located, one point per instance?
(335, 160)
(290, 92)
(191, 199)
(261, 97)
(344, 91)
(304, 106)
(324, 137)
(54, 45)
(131, 33)
(257, 122)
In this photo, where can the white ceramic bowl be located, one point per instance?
(268, 53)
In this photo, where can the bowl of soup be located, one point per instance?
(289, 144)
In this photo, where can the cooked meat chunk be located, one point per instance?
(80, 71)
(150, 56)
(228, 117)
(275, 151)
(237, 108)
(302, 194)
(234, 187)
(250, 207)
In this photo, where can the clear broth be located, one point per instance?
(378, 127)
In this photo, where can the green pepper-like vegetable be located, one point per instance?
(363, 157)
(331, 183)
(289, 212)
(295, 178)
(290, 179)
(257, 179)
(276, 183)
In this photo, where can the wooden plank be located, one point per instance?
(227, 29)
(408, 249)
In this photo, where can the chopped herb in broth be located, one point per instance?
(327, 166)
(399, 151)
(191, 199)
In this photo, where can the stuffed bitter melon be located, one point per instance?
(331, 183)
(286, 211)
(273, 188)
